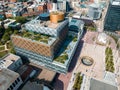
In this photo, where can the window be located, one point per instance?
(8, 89)
(20, 63)
(18, 79)
(16, 82)
(13, 84)
(11, 87)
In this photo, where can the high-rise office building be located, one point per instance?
(112, 19)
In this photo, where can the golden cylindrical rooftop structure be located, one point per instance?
(56, 16)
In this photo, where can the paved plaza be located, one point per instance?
(62, 81)
(90, 38)
(88, 47)
(97, 53)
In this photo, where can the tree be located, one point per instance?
(5, 38)
(106, 50)
(20, 19)
(16, 32)
(12, 50)
(1, 30)
(78, 82)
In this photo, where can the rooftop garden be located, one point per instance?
(74, 39)
(3, 53)
(20, 19)
(78, 82)
(109, 60)
(62, 58)
(35, 36)
(66, 50)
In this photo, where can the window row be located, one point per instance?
(14, 84)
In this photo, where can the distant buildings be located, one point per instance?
(10, 23)
(62, 5)
(15, 9)
(94, 11)
(30, 8)
(13, 1)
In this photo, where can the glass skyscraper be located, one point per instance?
(112, 19)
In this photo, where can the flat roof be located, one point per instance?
(110, 78)
(49, 24)
(43, 23)
(46, 74)
(100, 85)
(7, 77)
(8, 60)
(11, 57)
(34, 86)
(76, 22)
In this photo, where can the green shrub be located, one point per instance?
(3, 53)
(78, 82)
(109, 60)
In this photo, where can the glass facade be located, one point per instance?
(46, 61)
(112, 19)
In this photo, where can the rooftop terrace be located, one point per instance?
(67, 50)
(42, 38)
